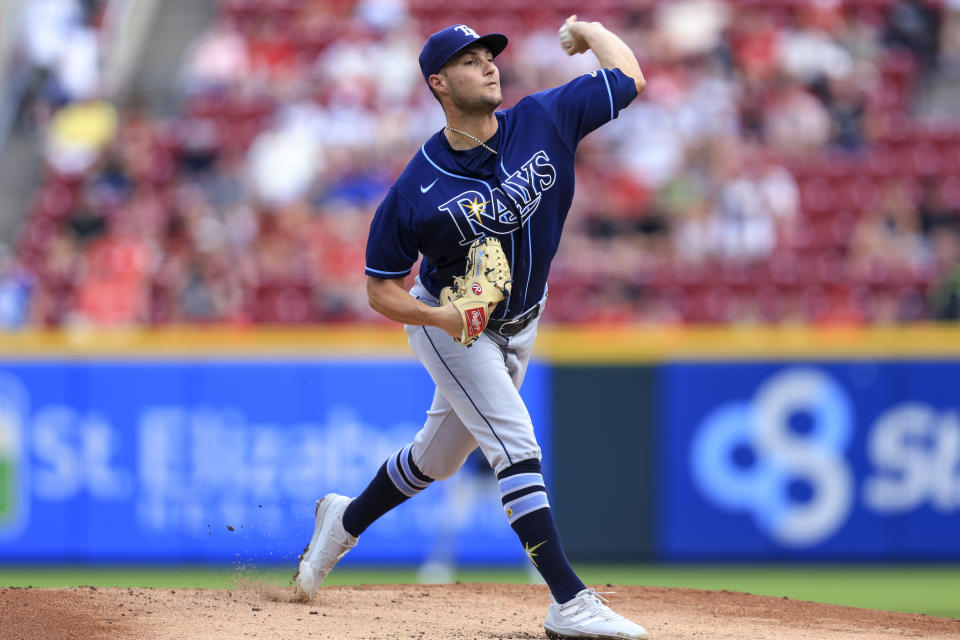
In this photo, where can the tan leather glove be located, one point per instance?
(486, 282)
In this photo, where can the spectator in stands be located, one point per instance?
(915, 26)
(810, 51)
(383, 15)
(272, 57)
(57, 276)
(950, 37)
(936, 208)
(753, 202)
(795, 122)
(859, 34)
(46, 29)
(61, 50)
(661, 156)
(888, 238)
(16, 285)
(945, 289)
(753, 44)
(846, 105)
(255, 201)
(78, 133)
(690, 220)
(217, 61)
(284, 159)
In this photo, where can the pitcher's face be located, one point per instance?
(472, 80)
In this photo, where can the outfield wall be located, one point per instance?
(210, 445)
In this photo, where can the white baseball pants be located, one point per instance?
(477, 401)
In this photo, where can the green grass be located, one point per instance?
(918, 589)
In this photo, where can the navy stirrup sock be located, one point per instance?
(397, 480)
(524, 498)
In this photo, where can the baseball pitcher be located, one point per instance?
(484, 202)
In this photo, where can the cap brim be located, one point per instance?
(496, 42)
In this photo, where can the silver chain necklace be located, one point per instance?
(477, 140)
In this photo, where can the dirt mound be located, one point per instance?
(434, 612)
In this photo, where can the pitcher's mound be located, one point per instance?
(434, 612)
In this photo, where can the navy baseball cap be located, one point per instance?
(446, 43)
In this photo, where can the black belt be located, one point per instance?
(514, 326)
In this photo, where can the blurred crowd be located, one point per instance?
(775, 170)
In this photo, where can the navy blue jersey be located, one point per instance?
(445, 199)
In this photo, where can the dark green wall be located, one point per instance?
(604, 457)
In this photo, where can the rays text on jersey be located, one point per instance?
(522, 190)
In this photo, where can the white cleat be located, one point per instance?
(329, 543)
(587, 617)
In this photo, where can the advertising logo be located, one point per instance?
(221, 460)
(780, 456)
(13, 505)
(915, 451)
(475, 321)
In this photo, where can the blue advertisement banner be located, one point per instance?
(814, 461)
(222, 461)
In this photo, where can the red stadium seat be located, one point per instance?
(829, 268)
(55, 200)
(893, 126)
(283, 304)
(768, 303)
(881, 161)
(817, 197)
(816, 303)
(927, 159)
(708, 304)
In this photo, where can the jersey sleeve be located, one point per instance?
(392, 246)
(585, 103)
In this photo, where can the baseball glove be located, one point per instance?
(486, 281)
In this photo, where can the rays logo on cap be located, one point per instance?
(467, 31)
